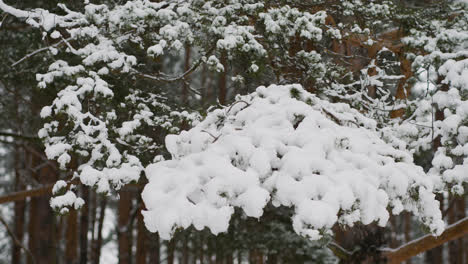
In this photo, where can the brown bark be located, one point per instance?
(41, 223)
(141, 240)
(97, 246)
(84, 226)
(155, 250)
(71, 238)
(170, 251)
(45, 189)
(124, 237)
(425, 243)
(22, 195)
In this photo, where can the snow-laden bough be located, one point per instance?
(286, 146)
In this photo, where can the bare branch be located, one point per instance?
(8, 134)
(38, 51)
(425, 243)
(16, 240)
(176, 78)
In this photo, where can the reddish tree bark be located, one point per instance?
(141, 240)
(41, 223)
(124, 237)
(155, 250)
(71, 238)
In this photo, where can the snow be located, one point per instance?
(288, 147)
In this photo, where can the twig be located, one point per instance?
(176, 78)
(16, 240)
(240, 101)
(38, 51)
(215, 138)
(339, 251)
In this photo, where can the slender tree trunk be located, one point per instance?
(141, 240)
(185, 87)
(170, 251)
(84, 226)
(32, 228)
(222, 89)
(98, 245)
(93, 217)
(407, 222)
(124, 237)
(155, 250)
(19, 210)
(185, 250)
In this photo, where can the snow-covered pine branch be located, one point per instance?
(290, 148)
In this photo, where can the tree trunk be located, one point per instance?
(41, 223)
(71, 237)
(141, 240)
(407, 221)
(222, 89)
(32, 228)
(170, 251)
(19, 210)
(98, 245)
(185, 87)
(185, 250)
(84, 226)
(155, 250)
(456, 212)
(124, 237)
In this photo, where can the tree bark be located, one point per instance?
(98, 245)
(84, 226)
(185, 250)
(124, 238)
(222, 89)
(407, 221)
(19, 210)
(41, 223)
(141, 240)
(170, 251)
(71, 238)
(155, 250)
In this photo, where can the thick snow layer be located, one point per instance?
(288, 147)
